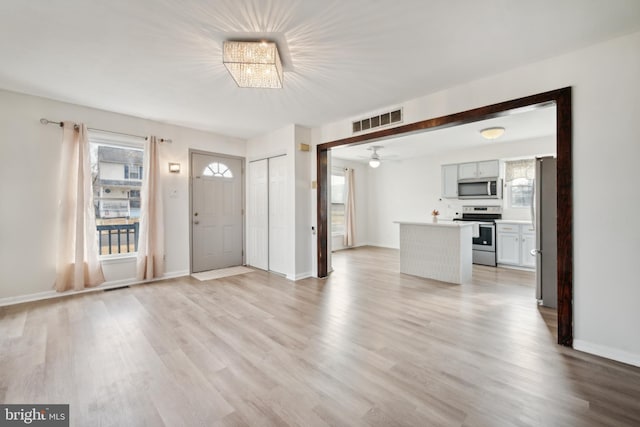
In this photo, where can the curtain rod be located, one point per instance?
(51, 122)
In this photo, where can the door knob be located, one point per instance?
(195, 214)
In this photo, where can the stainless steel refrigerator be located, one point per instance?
(545, 219)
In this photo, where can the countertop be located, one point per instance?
(456, 224)
(513, 221)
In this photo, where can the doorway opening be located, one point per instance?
(561, 99)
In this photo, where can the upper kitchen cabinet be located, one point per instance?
(486, 169)
(449, 181)
(489, 169)
(468, 170)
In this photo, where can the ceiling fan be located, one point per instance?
(374, 161)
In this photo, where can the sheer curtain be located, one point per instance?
(349, 209)
(150, 262)
(516, 169)
(77, 263)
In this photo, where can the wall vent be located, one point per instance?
(116, 289)
(384, 119)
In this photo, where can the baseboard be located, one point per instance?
(39, 296)
(303, 276)
(359, 245)
(28, 298)
(516, 267)
(607, 352)
(373, 245)
(173, 275)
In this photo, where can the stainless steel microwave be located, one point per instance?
(480, 189)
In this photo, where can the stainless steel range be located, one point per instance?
(484, 246)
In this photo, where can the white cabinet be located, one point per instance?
(508, 248)
(486, 169)
(527, 245)
(467, 170)
(489, 169)
(515, 242)
(450, 181)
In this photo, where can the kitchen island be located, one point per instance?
(439, 251)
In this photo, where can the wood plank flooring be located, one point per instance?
(366, 347)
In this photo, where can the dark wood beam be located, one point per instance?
(562, 99)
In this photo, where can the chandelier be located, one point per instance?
(253, 63)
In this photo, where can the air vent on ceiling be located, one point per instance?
(380, 120)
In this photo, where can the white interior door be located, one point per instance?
(258, 215)
(216, 232)
(278, 215)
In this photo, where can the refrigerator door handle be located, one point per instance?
(533, 210)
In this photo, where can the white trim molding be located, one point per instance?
(107, 285)
(301, 276)
(607, 352)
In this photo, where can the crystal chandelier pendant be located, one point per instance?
(253, 64)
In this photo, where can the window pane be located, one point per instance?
(218, 170)
(337, 202)
(521, 195)
(519, 176)
(337, 188)
(337, 217)
(117, 179)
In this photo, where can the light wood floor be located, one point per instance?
(368, 346)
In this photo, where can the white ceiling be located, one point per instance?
(518, 126)
(161, 59)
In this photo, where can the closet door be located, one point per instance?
(278, 215)
(258, 215)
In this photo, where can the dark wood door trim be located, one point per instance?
(562, 99)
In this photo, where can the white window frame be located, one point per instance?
(116, 141)
(337, 172)
(509, 187)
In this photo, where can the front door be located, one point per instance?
(216, 210)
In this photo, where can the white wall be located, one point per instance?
(111, 171)
(409, 190)
(606, 128)
(303, 231)
(361, 178)
(28, 188)
(286, 141)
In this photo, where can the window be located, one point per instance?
(337, 201)
(217, 169)
(519, 178)
(132, 171)
(116, 170)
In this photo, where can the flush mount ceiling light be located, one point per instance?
(492, 133)
(374, 162)
(253, 63)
